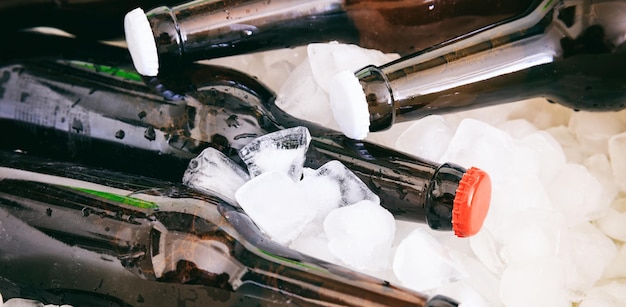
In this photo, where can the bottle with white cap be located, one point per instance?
(569, 52)
(204, 29)
(92, 19)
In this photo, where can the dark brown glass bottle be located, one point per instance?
(93, 19)
(76, 106)
(209, 29)
(93, 237)
(570, 52)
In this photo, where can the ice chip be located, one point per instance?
(214, 173)
(537, 283)
(334, 185)
(276, 204)
(585, 253)
(361, 234)
(282, 151)
(617, 155)
(422, 263)
(427, 137)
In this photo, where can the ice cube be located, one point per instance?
(276, 204)
(465, 294)
(517, 128)
(612, 294)
(214, 173)
(600, 167)
(422, 263)
(427, 138)
(537, 283)
(547, 152)
(572, 149)
(303, 98)
(578, 195)
(334, 185)
(488, 250)
(282, 151)
(585, 253)
(532, 234)
(613, 224)
(616, 267)
(542, 114)
(273, 67)
(617, 155)
(481, 145)
(593, 130)
(327, 59)
(511, 197)
(361, 234)
(313, 242)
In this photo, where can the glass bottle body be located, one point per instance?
(92, 236)
(561, 51)
(209, 29)
(75, 110)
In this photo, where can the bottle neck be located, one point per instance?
(503, 64)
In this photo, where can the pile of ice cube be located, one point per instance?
(556, 229)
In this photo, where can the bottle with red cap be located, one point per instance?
(88, 236)
(89, 106)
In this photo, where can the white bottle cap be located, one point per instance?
(348, 105)
(141, 44)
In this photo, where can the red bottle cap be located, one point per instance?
(471, 202)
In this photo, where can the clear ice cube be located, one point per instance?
(361, 234)
(422, 263)
(214, 173)
(282, 151)
(537, 283)
(427, 137)
(276, 204)
(334, 185)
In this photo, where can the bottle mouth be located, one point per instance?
(458, 199)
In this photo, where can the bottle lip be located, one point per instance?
(471, 202)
